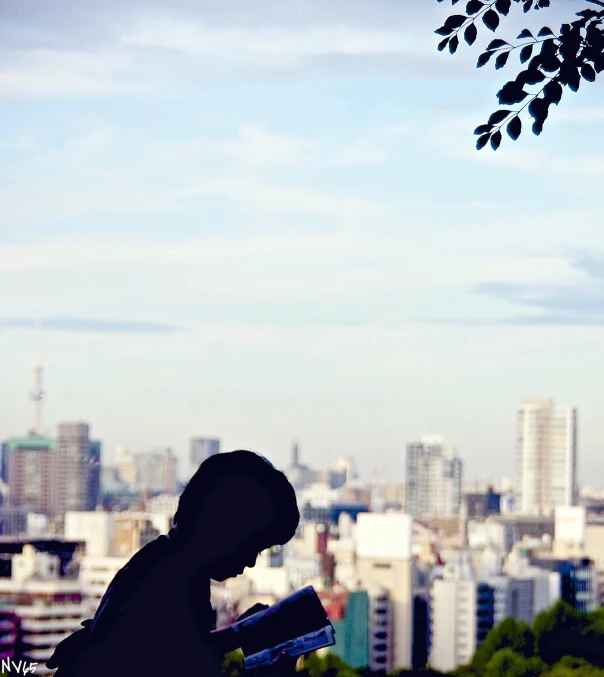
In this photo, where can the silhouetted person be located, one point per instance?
(156, 617)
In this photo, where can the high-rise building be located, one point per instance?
(78, 469)
(156, 471)
(546, 457)
(434, 475)
(200, 449)
(352, 627)
(385, 570)
(31, 473)
(463, 612)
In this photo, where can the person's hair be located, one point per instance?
(253, 465)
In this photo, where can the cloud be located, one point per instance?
(575, 304)
(271, 197)
(91, 325)
(591, 264)
(61, 72)
(135, 46)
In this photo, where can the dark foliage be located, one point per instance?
(552, 61)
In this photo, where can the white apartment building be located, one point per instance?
(50, 607)
(343, 550)
(434, 477)
(96, 573)
(384, 562)
(546, 457)
(95, 528)
(164, 504)
(462, 613)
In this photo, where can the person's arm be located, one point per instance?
(226, 638)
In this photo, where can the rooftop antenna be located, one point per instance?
(37, 393)
(295, 454)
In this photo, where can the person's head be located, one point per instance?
(236, 505)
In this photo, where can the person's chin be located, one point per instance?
(223, 575)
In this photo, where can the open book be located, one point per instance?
(294, 626)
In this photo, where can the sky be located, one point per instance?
(266, 221)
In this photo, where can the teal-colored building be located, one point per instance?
(352, 632)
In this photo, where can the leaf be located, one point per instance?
(552, 92)
(503, 6)
(588, 73)
(535, 63)
(456, 21)
(481, 129)
(551, 63)
(527, 5)
(453, 44)
(538, 127)
(499, 116)
(525, 34)
(483, 58)
(496, 140)
(573, 78)
(511, 93)
(533, 77)
(443, 44)
(544, 31)
(482, 141)
(496, 43)
(474, 6)
(491, 19)
(525, 53)
(501, 60)
(470, 34)
(549, 48)
(538, 109)
(443, 31)
(514, 128)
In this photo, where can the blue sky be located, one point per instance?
(267, 221)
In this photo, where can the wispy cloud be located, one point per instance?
(578, 303)
(76, 324)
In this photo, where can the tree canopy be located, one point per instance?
(554, 61)
(560, 643)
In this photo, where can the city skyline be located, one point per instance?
(186, 458)
(268, 225)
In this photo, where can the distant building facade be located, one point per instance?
(434, 477)
(49, 477)
(546, 457)
(385, 570)
(201, 448)
(31, 473)
(463, 612)
(78, 469)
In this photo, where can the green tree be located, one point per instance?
(507, 663)
(573, 667)
(562, 631)
(509, 634)
(232, 664)
(554, 61)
